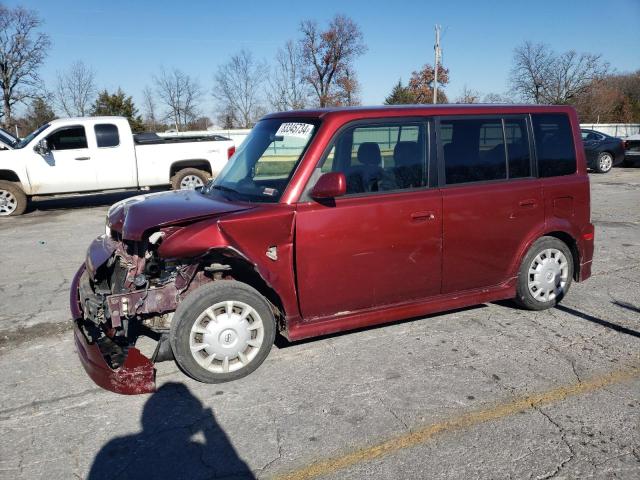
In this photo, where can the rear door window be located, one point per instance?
(107, 135)
(554, 144)
(473, 149)
(517, 140)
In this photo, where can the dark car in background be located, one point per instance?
(632, 150)
(603, 151)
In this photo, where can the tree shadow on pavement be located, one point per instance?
(180, 439)
(599, 321)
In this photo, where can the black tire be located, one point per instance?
(180, 175)
(524, 297)
(606, 168)
(13, 201)
(191, 309)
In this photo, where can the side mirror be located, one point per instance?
(42, 147)
(330, 185)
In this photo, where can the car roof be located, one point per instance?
(438, 109)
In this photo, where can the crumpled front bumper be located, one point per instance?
(137, 373)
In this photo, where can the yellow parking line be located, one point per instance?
(467, 420)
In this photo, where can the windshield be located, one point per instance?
(7, 137)
(25, 141)
(263, 164)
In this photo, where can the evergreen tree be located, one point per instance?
(120, 105)
(400, 95)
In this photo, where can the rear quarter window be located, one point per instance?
(554, 145)
(107, 135)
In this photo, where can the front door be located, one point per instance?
(67, 167)
(380, 244)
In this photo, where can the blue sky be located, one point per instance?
(126, 42)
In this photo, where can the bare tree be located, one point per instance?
(496, 98)
(326, 54)
(287, 88)
(149, 108)
(237, 85)
(180, 93)
(76, 90)
(22, 52)
(348, 89)
(539, 75)
(573, 74)
(532, 64)
(468, 96)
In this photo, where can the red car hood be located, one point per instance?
(133, 216)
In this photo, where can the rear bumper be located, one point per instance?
(136, 375)
(586, 245)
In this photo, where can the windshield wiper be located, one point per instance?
(224, 189)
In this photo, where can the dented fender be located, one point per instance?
(248, 238)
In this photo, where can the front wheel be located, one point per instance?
(545, 275)
(13, 201)
(604, 162)
(222, 331)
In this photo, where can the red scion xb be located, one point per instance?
(330, 220)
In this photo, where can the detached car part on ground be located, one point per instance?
(331, 220)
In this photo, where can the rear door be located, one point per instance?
(380, 244)
(491, 198)
(114, 156)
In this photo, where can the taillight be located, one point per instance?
(230, 151)
(625, 144)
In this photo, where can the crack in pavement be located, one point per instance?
(563, 436)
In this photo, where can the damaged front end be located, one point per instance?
(124, 291)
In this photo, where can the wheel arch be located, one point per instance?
(570, 241)
(235, 266)
(10, 176)
(199, 163)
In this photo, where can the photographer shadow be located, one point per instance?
(180, 439)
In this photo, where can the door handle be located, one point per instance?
(83, 158)
(418, 216)
(529, 203)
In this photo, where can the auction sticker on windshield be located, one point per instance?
(299, 130)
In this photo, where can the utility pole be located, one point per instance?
(438, 52)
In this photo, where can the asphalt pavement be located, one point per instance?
(490, 391)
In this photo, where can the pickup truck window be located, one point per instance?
(107, 135)
(262, 166)
(68, 138)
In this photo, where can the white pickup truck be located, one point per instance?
(100, 153)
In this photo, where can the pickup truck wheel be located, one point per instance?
(222, 331)
(604, 162)
(13, 201)
(545, 274)
(189, 179)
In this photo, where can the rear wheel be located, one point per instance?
(222, 331)
(13, 201)
(545, 274)
(604, 162)
(189, 179)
